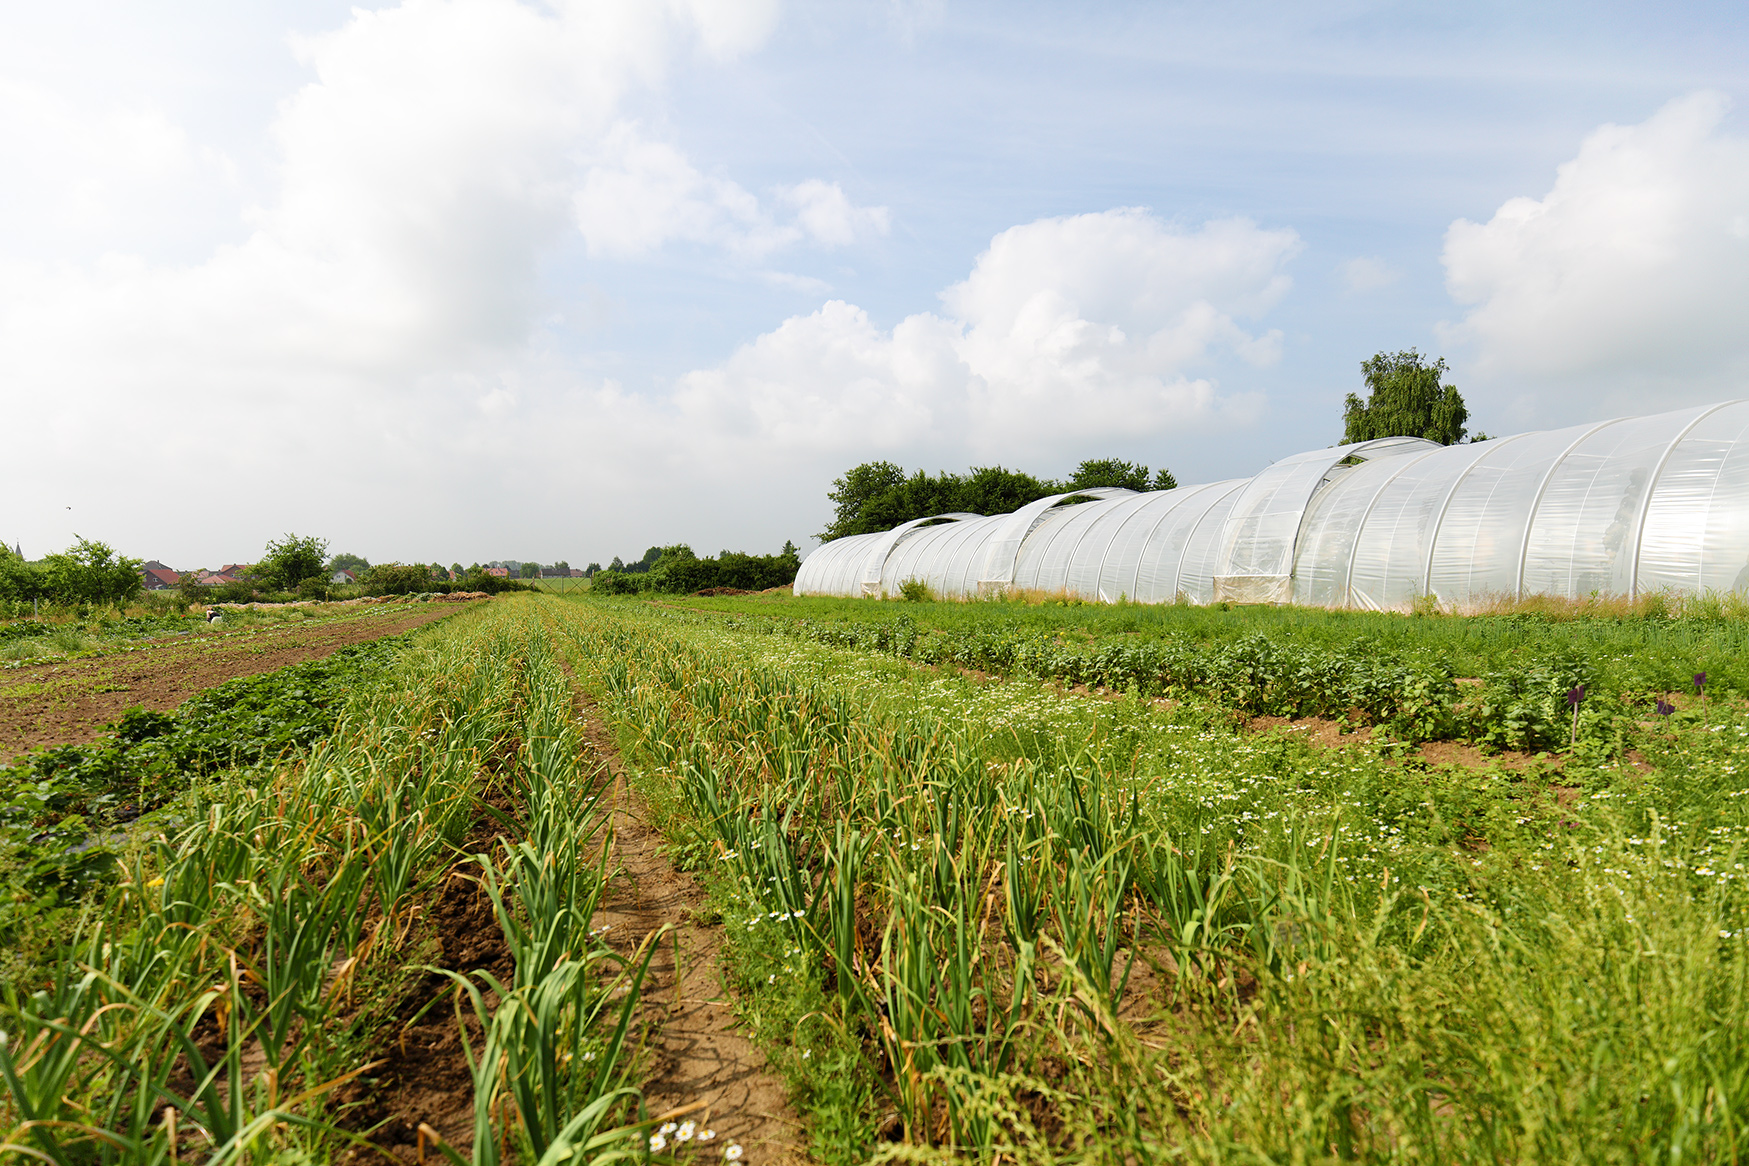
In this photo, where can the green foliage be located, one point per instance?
(287, 562)
(916, 591)
(1060, 928)
(87, 572)
(1122, 474)
(57, 805)
(277, 915)
(190, 590)
(878, 496)
(348, 562)
(20, 581)
(676, 570)
(1405, 399)
(396, 579)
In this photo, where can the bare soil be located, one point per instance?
(697, 1052)
(71, 702)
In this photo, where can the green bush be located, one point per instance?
(916, 591)
(397, 579)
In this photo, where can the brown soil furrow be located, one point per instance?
(70, 702)
(699, 1052)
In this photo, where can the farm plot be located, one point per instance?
(69, 702)
(383, 942)
(988, 920)
(1577, 679)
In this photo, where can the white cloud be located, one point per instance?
(645, 194)
(825, 214)
(1364, 274)
(1097, 327)
(371, 341)
(1633, 269)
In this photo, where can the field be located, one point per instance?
(984, 881)
(92, 677)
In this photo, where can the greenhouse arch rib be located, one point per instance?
(1217, 496)
(1004, 549)
(1360, 527)
(1542, 487)
(875, 564)
(1652, 488)
(1495, 444)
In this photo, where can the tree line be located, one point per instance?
(88, 572)
(878, 496)
(676, 570)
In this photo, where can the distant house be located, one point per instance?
(158, 577)
(341, 577)
(579, 573)
(500, 572)
(215, 579)
(556, 572)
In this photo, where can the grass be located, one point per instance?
(1053, 928)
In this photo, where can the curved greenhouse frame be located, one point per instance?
(1617, 507)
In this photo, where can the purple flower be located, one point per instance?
(1665, 708)
(1700, 682)
(1575, 695)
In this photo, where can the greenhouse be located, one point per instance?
(1621, 507)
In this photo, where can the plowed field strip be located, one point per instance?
(70, 702)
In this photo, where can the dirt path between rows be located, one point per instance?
(70, 702)
(699, 1052)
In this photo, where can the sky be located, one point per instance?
(480, 279)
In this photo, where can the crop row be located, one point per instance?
(1527, 706)
(1059, 929)
(253, 957)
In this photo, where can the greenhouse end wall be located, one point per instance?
(1612, 508)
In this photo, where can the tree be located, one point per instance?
(20, 581)
(1406, 400)
(878, 496)
(345, 562)
(190, 589)
(995, 490)
(592, 570)
(397, 579)
(1113, 472)
(529, 570)
(851, 494)
(289, 561)
(616, 565)
(91, 572)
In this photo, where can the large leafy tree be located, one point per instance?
(289, 561)
(1405, 399)
(91, 572)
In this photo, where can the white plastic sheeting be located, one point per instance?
(1611, 508)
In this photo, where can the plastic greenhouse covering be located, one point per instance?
(1618, 507)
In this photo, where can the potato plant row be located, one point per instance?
(1525, 706)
